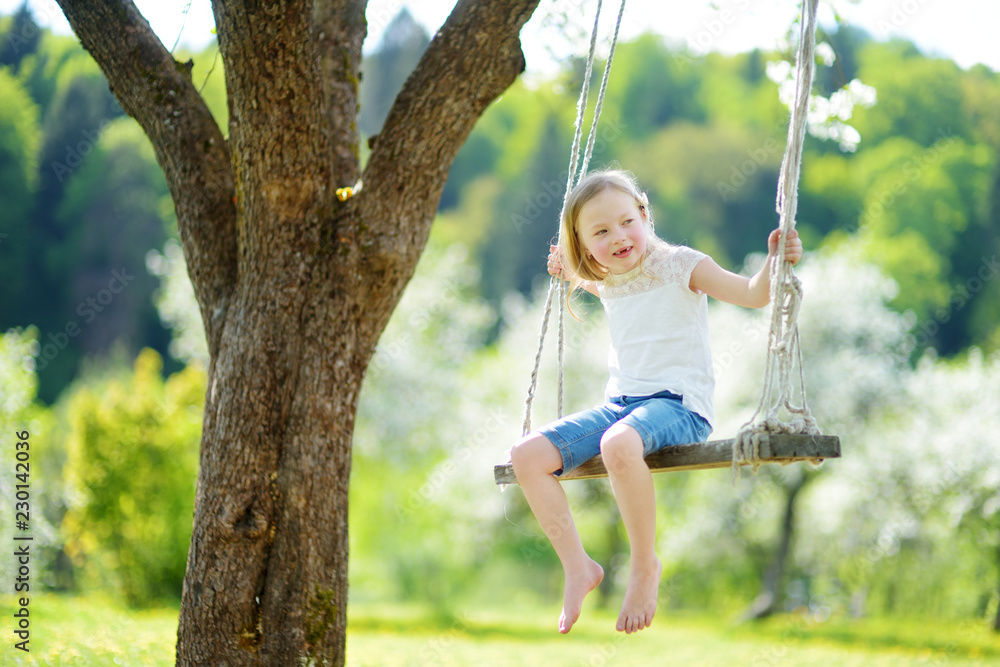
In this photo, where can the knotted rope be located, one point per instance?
(786, 289)
(577, 170)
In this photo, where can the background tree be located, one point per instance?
(385, 71)
(19, 138)
(295, 287)
(21, 39)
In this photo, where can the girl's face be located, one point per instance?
(612, 230)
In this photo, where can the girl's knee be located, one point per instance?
(621, 444)
(535, 453)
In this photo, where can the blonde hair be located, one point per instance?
(574, 254)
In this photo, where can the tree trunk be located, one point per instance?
(772, 589)
(295, 286)
(266, 578)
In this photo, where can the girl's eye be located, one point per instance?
(627, 221)
(599, 232)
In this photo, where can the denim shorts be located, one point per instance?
(661, 420)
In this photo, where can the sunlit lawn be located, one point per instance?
(78, 631)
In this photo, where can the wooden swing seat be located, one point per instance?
(778, 448)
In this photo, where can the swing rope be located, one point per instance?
(786, 289)
(577, 170)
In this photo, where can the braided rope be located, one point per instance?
(786, 289)
(576, 172)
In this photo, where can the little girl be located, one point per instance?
(660, 388)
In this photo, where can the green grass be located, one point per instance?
(399, 636)
(95, 632)
(89, 631)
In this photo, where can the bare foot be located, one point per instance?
(578, 584)
(640, 598)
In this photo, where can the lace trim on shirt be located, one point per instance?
(665, 265)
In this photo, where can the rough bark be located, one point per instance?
(295, 287)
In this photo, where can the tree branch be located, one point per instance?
(157, 91)
(474, 57)
(340, 29)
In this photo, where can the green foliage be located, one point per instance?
(405, 528)
(39, 71)
(918, 97)
(705, 136)
(18, 38)
(654, 86)
(132, 465)
(19, 142)
(84, 196)
(115, 208)
(506, 138)
(831, 195)
(737, 82)
(693, 200)
(918, 209)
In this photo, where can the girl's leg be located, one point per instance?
(535, 458)
(632, 483)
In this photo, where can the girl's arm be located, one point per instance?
(556, 269)
(754, 292)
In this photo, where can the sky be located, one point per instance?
(964, 30)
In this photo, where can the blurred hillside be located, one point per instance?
(85, 202)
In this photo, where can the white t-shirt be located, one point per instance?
(659, 330)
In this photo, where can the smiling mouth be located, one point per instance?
(622, 252)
